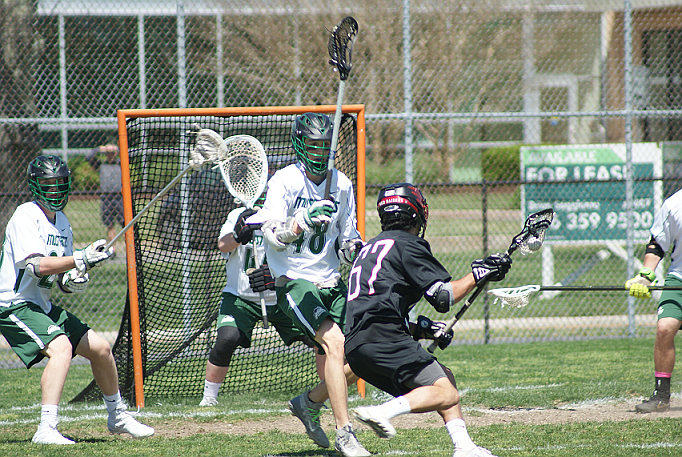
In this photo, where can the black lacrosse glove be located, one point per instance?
(426, 328)
(261, 279)
(243, 232)
(492, 268)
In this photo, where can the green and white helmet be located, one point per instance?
(311, 137)
(49, 179)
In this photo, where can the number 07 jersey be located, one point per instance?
(391, 273)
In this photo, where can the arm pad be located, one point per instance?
(654, 248)
(441, 296)
(279, 234)
(33, 266)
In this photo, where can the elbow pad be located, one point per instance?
(654, 248)
(279, 234)
(33, 266)
(441, 296)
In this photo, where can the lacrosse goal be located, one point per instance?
(175, 271)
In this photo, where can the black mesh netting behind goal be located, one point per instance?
(180, 272)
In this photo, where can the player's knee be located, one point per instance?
(226, 343)
(59, 347)
(449, 386)
(332, 339)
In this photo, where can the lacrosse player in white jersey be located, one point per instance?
(306, 235)
(240, 309)
(666, 233)
(37, 252)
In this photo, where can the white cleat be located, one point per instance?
(209, 401)
(48, 434)
(347, 444)
(120, 421)
(381, 426)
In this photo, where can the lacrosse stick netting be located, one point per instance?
(244, 168)
(515, 297)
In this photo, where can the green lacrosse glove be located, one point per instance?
(317, 214)
(639, 285)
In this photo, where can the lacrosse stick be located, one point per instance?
(340, 48)
(518, 297)
(528, 240)
(208, 148)
(245, 172)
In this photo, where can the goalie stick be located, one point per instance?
(340, 47)
(245, 172)
(528, 240)
(208, 146)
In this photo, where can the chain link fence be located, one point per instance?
(495, 109)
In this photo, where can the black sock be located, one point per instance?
(663, 387)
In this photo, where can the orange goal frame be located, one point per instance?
(124, 115)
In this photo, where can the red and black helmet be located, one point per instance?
(402, 206)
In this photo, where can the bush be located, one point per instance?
(501, 164)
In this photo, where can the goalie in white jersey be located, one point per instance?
(240, 308)
(37, 252)
(306, 236)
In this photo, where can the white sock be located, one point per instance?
(459, 435)
(48, 415)
(211, 389)
(395, 407)
(112, 401)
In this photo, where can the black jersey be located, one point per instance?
(391, 273)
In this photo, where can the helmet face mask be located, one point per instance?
(49, 180)
(311, 137)
(402, 206)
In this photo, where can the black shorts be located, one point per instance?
(390, 366)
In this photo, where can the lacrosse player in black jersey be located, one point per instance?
(390, 274)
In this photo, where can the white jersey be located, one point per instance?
(29, 232)
(667, 230)
(241, 259)
(313, 255)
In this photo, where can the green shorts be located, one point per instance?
(28, 329)
(670, 303)
(308, 306)
(244, 314)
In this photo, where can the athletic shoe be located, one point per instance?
(48, 434)
(655, 404)
(208, 401)
(475, 452)
(381, 426)
(309, 413)
(347, 444)
(120, 421)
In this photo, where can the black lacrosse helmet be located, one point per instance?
(49, 179)
(311, 137)
(402, 206)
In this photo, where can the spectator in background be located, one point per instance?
(109, 186)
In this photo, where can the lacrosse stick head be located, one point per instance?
(340, 46)
(515, 297)
(532, 236)
(244, 168)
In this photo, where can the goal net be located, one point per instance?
(178, 272)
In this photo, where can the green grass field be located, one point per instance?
(545, 376)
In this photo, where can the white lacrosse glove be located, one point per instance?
(92, 255)
(639, 285)
(315, 215)
(208, 148)
(73, 282)
(349, 251)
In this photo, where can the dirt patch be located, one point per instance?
(474, 418)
